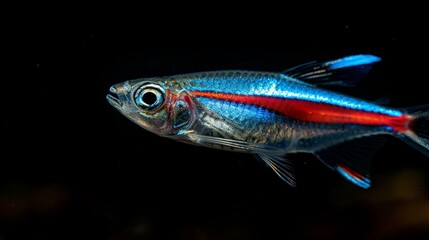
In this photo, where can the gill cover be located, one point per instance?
(181, 112)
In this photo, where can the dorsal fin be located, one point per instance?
(345, 71)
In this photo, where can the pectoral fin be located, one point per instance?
(273, 157)
(230, 144)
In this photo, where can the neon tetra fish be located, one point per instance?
(274, 114)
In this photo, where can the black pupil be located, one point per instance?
(149, 98)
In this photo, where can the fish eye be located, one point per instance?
(149, 97)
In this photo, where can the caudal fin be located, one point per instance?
(418, 134)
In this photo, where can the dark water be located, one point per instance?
(72, 167)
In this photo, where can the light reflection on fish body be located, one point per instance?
(274, 114)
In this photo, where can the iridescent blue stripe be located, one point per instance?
(283, 87)
(237, 112)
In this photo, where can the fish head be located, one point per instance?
(158, 105)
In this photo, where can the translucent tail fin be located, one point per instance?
(418, 136)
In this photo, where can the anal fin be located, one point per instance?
(354, 177)
(352, 159)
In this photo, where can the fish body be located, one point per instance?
(274, 114)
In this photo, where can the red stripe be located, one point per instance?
(314, 111)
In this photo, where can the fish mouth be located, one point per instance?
(113, 98)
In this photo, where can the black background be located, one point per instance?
(72, 167)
